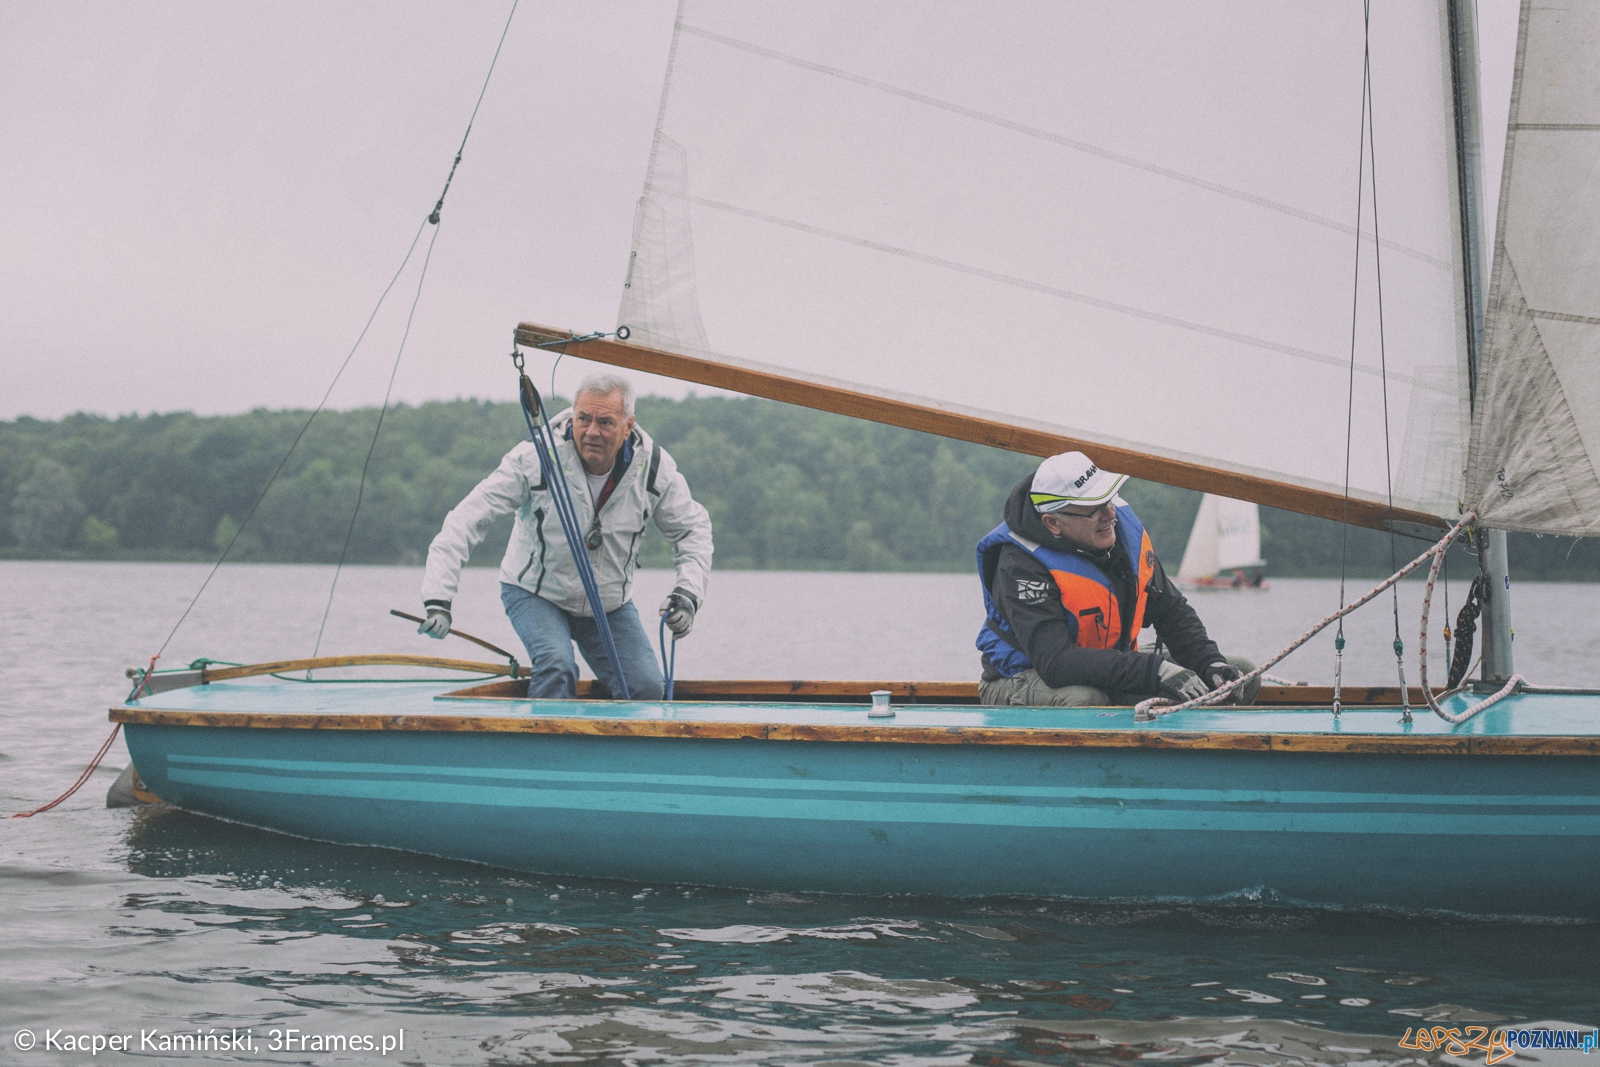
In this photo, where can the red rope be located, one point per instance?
(82, 778)
(138, 691)
(144, 682)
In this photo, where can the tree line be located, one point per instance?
(787, 488)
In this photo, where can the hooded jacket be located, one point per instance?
(1039, 626)
(648, 488)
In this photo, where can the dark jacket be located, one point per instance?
(1040, 627)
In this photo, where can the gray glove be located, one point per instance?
(1220, 674)
(679, 609)
(1179, 684)
(437, 624)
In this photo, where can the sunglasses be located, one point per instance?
(1065, 513)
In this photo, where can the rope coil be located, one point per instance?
(1514, 683)
(1149, 710)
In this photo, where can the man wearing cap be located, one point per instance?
(1069, 580)
(620, 480)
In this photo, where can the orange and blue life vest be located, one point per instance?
(1088, 600)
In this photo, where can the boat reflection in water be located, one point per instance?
(539, 968)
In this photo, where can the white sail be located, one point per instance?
(1200, 558)
(1126, 223)
(1238, 534)
(1535, 457)
(1226, 536)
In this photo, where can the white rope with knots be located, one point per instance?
(1513, 683)
(1149, 710)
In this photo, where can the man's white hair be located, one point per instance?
(605, 385)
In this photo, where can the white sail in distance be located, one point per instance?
(1535, 456)
(1126, 224)
(1226, 536)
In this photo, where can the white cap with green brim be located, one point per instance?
(1071, 480)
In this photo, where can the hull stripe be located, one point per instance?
(1096, 816)
(808, 784)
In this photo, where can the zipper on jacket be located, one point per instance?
(627, 570)
(538, 527)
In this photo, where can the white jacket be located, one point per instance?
(538, 558)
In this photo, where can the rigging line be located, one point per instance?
(361, 487)
(1388, 454)
(433, 220)
(1043, 135)
(434, 217)
(273, 477)
(1350, 397)
(1051, 290)
(1383, 355)
(1355, 307)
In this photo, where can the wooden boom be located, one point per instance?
(1318, 502)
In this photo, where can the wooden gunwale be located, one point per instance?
(1411, 744)
(1323, 504)
(765, 690)
(757, 690)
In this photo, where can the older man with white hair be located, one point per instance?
(622, 480)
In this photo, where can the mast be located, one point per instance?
(1492, 558)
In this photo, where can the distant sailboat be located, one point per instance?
(1224, 547)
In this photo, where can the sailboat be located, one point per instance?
(1060, 229)
(1224, 549)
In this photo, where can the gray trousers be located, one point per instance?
(1028, 690)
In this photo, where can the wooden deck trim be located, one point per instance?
(760, 690)
(1410, 744)
(1322, 503)
(753, 690)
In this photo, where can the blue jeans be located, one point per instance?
(548, 634)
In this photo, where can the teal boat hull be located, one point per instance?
(1479, 833)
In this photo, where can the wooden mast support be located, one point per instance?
(1031, 442)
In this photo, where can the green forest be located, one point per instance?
(787, 488)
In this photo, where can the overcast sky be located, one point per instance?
(203, 201)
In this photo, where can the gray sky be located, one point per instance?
(204, 200)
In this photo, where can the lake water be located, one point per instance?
(157, 921)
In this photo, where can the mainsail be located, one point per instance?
(1135, 225)
(1535, 456)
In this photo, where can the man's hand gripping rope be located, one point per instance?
(1149, 710)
